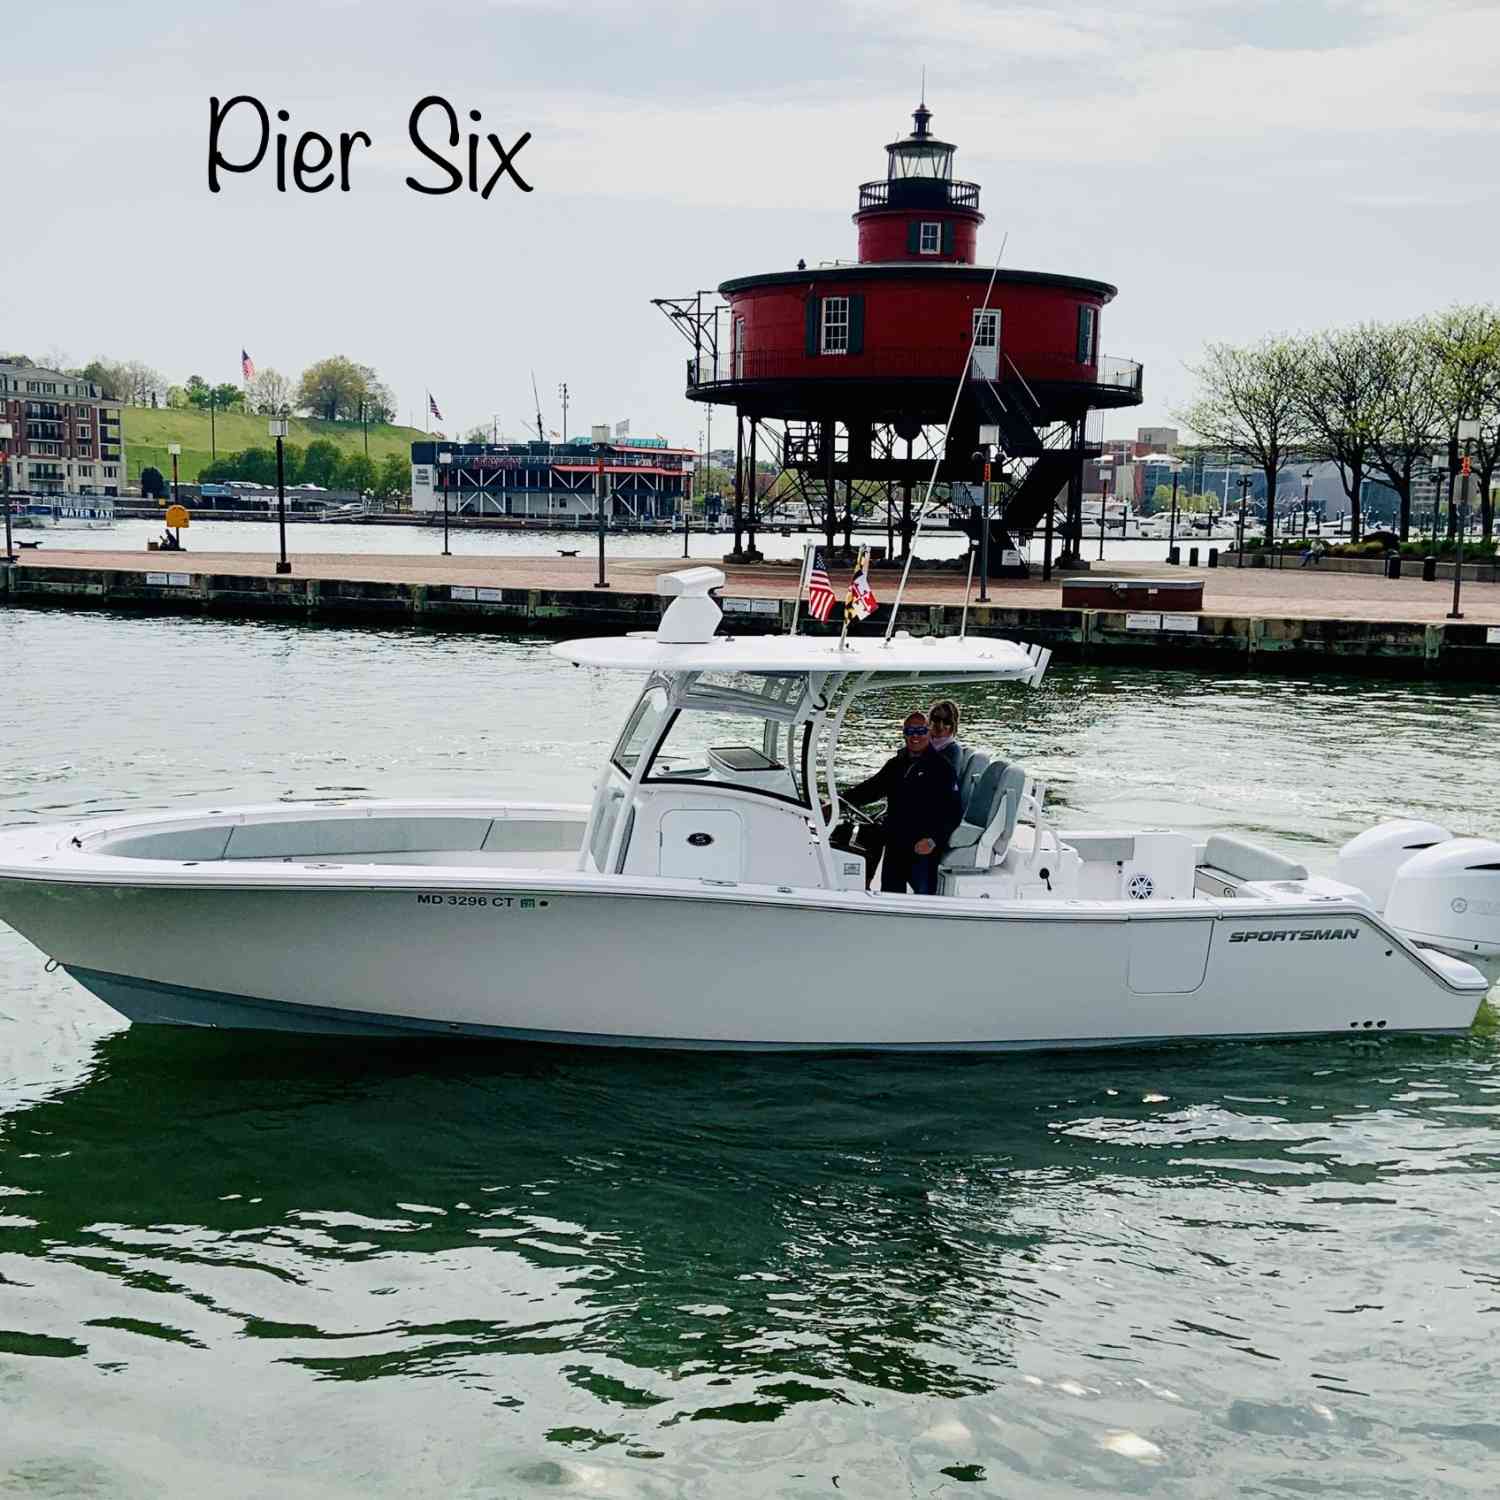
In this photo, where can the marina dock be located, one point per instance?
(1252, 617)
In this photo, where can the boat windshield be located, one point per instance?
(641, 731)
(735, 729)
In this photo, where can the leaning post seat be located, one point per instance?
(992, 803)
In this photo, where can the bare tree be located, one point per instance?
(1250, 401)
(1466, 351)
(1409, 424)
(142, 383)
(1340, 395)
(270, 392)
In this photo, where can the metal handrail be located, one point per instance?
(934, 363)
(956, 195)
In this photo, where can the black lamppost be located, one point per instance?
(445, 474)
(1104, 476)
(278, 431)
(1172, 523)
(1468, 431)
(7, 431)
(600, 582)
(175, 449)
(1307, 480)
(982, 459)
(1239, 546)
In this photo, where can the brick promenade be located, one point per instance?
(1293, 592)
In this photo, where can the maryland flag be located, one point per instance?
(861, 601)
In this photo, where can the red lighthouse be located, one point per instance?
(862, 361)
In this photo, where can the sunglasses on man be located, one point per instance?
(914, 731)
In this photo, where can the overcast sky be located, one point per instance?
(1234, 168)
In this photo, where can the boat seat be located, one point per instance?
(989, 820)
(1248, 862)
(972, 765)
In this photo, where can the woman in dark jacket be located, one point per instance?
(922, 809)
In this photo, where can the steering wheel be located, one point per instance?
(857, 814)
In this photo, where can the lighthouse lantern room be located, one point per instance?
(858, 365)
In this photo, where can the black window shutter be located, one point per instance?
(856, 325)
(1085, 338)
(948, 237)
(814, 319)
(914, 238)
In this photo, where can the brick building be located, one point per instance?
(67, 438)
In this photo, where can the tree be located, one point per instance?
(270, 393)
(477, 435)
(1466, 347)
(358, 473)
(112, 378)
(197, 390)
(1409, 420)
(322, 463)
(143, 386)
(1249, 402)
(379, 403)
(1341, 395)
(335, 388)
(227, 395)
(394, 479)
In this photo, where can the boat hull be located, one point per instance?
(553, 956)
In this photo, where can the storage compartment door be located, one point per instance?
(701, 845)
(1168, 957)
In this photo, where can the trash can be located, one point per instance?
(1213, 556)
(1193, 557)
(1174, 555)
(1429, 570)
(1393, 565)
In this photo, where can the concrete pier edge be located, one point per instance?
(1221, 642)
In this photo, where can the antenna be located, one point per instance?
(924, 85)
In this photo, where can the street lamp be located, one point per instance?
(1468, 432)
(1307, 480)
(445, 469)
(278, 431)
(7, 432)
(1105, 461)
(1172, 523)
(1239, 546)
(175, 449)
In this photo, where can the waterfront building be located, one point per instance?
(67, 436)
(645, 479)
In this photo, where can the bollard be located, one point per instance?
(1192, 557)
(1393, 565)
(1174, 555)
(1213, 556)
(1429, 570)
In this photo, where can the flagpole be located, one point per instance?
(807, 553)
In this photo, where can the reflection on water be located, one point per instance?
(308, 1268)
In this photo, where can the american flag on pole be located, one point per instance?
(432, 406)
(247, 365)
(819, 590)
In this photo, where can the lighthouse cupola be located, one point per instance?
(920, 212)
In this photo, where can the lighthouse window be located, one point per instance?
(931, 242)
(835, 325)
(986, 328)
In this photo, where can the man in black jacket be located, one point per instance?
(922, 809)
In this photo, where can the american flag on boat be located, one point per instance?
(819, 590)
(247, 365)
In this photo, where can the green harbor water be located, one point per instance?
(244, 1266)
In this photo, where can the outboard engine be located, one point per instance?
(1448, 897)
(1441, 892)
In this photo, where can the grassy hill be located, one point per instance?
(149, 429)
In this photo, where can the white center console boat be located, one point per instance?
(713, 894)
